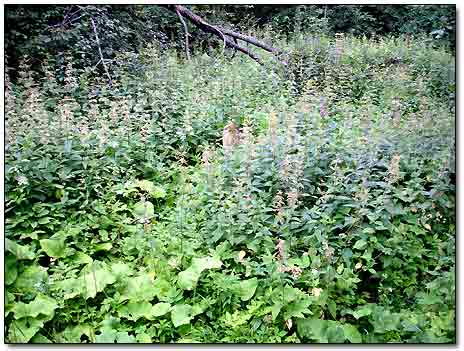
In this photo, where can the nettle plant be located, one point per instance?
(332, 220)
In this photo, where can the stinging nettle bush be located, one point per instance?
(331, 220)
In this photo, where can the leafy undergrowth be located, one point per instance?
(332, 221)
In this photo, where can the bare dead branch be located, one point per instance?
(187, 51)
(100, 50)
(235, 50)
(209, 28)
(251, 40)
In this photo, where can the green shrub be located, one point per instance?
(333, 220)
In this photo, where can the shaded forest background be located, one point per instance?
(38, 31)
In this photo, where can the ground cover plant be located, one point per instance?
(331, 218)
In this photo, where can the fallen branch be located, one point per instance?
(100, 50)
(187, 52)
(223, 33)
(251, 40)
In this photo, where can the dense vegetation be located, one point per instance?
(333, 220)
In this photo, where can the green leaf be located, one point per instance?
(40, 339)
(181, 314)
(125, 338)
(34, 276)
(297, 308)
(247, 288)
(53, 247)
(200, 264)
(140, 288)
(22, 330)
(21, 252)
(42, 304)
(92, 283)
(136, 310)
(103, 247)
(145, 185)
(188, 279)
(160, 309)
(44, 220)
(106, 336)
(11, 270)
(165, 290)
(335, 332)
(351, 333)
(158, 192)
(143, 338)
(312, 329)
(275, 310)
(144, 209)
(73, 334)
(428, 299)
(360, 244)
(332, 306)
(81, 258)
(120, 269)
(362, 312)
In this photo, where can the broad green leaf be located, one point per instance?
(312, 329)
(384, 321)
(73, 334)
(144, 209)
(143, 338)
(275, 310)
(33, 235)
(154, 190)
(165, 290)
(200, 264)
(106, 336)
(145, 185)
(11, 270)
(136, 310)
(34, 276)
(297, 308)
(22, 330)
(335, 332)
(42, 304)
(247, 288)
(158, 192)
(360, 244)
(103, 247)
(40, 339)
(361, 312)
(44, 220)
(9, 303)
(188, 279)
(428, 299)
(198, 309)
(53, 247)
(81, 258)
(92, 283)
(22, 252)
(140, 288)
(181, 314)
(120, 269)
(160, 309)
(70, 287)
(332, 306)
(125, 338)
(352, 334)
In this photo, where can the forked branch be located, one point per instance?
(224, 33)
